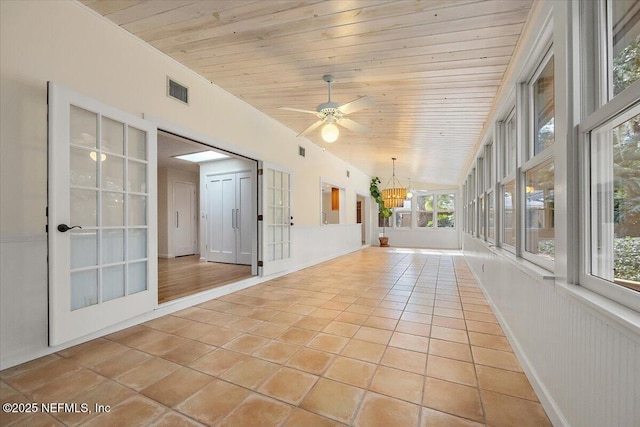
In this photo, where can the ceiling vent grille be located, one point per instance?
(177, 91)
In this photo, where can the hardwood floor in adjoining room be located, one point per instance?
(187, 275)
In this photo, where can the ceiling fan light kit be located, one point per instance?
(331, 114)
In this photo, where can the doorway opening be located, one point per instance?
(207, 217)
(360, 218)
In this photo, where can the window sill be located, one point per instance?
(527, 267)
(610, 310)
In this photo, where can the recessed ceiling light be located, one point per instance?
(202, 156)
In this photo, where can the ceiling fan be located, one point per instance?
(332, 113)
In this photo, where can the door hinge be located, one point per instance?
(260, 264)
(46, 228)
(260, 218)
(260, 171)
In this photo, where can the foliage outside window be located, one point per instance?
(446, 210)
(539, 210)
(543, 109)
(509, 213)
(615, 202)
(424, 208)
(625, 43)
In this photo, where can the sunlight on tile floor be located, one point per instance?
(380, 337)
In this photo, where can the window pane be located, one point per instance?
(508, 213)
(403, 219)
(446, 208)
(510, 146)
(539, 226)
(481, 217)
(424, 206)
(543, 109)
(615, 198)
(491, 232)
(625, 35)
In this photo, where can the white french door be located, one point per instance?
(277, 219)
(102, 206)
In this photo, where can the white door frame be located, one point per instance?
(167, 126)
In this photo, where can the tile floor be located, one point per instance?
(380, 337)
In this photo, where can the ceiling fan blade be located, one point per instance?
(356, 105)
(310, 128)
(298, 110)
(354, 126)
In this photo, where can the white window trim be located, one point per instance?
(617, 109)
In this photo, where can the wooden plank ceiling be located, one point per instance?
(432, 67)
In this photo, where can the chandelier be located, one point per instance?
(394, 196)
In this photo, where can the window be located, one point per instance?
(509, 144)
(491, 230)
(424, 209)
(538, 171)
(403, 215)
(623, 44)
(508, 213)
(446, 210)
(610, 143)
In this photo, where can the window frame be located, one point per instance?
(506, 176)
(528, 160)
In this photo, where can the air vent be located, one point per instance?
(177, 91)
(301, 151)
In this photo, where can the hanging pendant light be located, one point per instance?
(409, 193)
(395, 195)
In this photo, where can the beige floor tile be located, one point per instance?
(244, 324)
(432, 418)
(383, 411)
(217, 362)
(246, 344)
(416, 317)
(277, 352)
(456, 399)
(490, 341)
(115, 366)
(484, 327)
(380, 336)
(250, 373)
(176, 387)
(219, 336)
(257, 410)
(341, 329)
(504, 411)
(414, 328)
(451, 350)
(405, 360)
(297, 336)
(417, 308)
(67, 387)
(409, 342)
(449, 334)
(169, 324)
(505, 382)
(328, 343)
(28, 366)
(399, 384)
(37, 420)
(213, 402)
(333, 400)
(94, 352)
(364, 350)
(269, 329)
(309, 360)
(300, 418)
(351, 371)
(449, 322)
(195, 330)
(353, 318)
(174, 419)
(136, 410)
(188, 352)
(481, 317)
(495, 358)
(451, 370)
(312, 323)
(30, 379)
(288, 385)
(147, 373)
(381, 323)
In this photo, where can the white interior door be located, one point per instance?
(277, 219)
(221, 211)
(245, 218)
(102, 206)
(184, 234)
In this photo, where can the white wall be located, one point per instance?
(433, 239)
(67, 43)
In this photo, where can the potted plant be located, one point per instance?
(384, 211)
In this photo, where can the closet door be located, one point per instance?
(184, 203)
(221, 211)
(245, 218)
